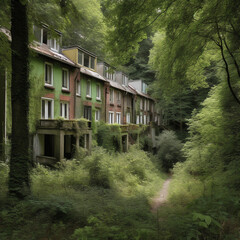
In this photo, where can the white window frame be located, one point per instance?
(111, 101)
(111, 119)
(144, 119)
(51, 65)
(128, 118)
(118, 117)
(137, 119)
(141, 117)
(55, 44)
(68, 79)
(97, 115)
(119, 96)
(46, 108)
(78, 88)
(90, 89)
(98, 91)
(62, 109)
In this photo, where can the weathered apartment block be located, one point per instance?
(70, 91)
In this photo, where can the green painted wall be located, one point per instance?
(37, 89)
(93, 100)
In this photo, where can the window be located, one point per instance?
(64, 110)
(88, 112)
(86, 60)
(89, 91)
(78, 88)
(109, 74)
(141, 118)
(124, 80)
(44, 36)
(119, 98)
(54, 44)
(118, 116)
(65, 78)
(128, 118)
(111, 117)
(48, 74)
(144, 87)
(47, 108)
(92, 62)
(145, 104)
(37, 32)
(141, 103)
(97, 115)
(80, 57)
(111, 95)
(145, 119)
(98, 96)
(137, 119)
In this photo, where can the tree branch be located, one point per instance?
(232, 56)
(226, 65)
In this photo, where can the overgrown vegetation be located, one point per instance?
(204, 193)
(102, 196)
(168, 150)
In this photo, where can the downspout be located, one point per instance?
(75, 92)
(106, 103)
(5, 127)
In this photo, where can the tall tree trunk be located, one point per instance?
(19, 186)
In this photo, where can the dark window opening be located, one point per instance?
(88, 112)
(69, 146)
(45, 36)
(86, 60)
(49, 145)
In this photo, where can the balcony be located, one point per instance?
(62, 124)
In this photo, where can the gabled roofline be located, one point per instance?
(79, 48)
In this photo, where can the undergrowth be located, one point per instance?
(103, 196)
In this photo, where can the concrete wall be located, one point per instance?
(136, 84)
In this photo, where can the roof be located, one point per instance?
(91, 73)
(120, 87)
(80, 48)
(140, 93)
(44, 50)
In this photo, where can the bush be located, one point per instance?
(169, 149)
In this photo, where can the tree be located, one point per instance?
(188, 31)
(138, 67)
(19, 185)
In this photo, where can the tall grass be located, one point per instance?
(102, 196)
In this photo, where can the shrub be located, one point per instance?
(169, 149)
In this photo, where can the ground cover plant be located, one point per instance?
(102, 196)
(204, 193)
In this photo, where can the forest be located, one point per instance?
(188, 54)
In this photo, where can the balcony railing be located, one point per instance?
(64, 124)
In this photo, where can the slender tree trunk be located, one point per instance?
(19, 186)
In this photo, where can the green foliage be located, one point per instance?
(168, 149)
(85, 26)
(204, 193)
(102, 196)
(109, 136)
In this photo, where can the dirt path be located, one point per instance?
(161, 198)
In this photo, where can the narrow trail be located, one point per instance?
(161, 197)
